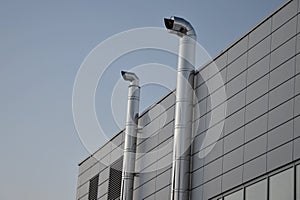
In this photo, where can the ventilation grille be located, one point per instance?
(115, 178)
(93, 190)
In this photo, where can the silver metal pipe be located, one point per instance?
(183, 108)
(130, 135)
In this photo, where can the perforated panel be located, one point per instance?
(115, 178)
(93, 189)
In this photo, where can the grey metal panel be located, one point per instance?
(104, 175)
(151, 197)
(218, 116)
(280, 114)
(200, 109)
(166, 132)
(87, 164)
(257, 89)
(298, 59)
(297, 127)
(103, 188)
(232, 178)
(163, 179)
(256, 127)
(118, 140)
(214, 153)
(116, 154)
(197, 162)
(236, 67)
(167, 117)
(255, 148)
(280, 135)
(148, 188)
(280, 156)
(281, 93)
(212, 170)
(221, 61)
(259, 51)
(297, 84)
(258, 70)
(283, 53)
(165, 161)
(163, 194)
(218, 99)
(236, 102)
(297, 148)
(197, 177)
(201, 92)
(233, 159)
(168, 101)
(298, 41)
(200, 125)
(260, 32)
(197, 142)
(197, 193)
(82, 190)
(234, 121)
(256, 108)
(234, 140)
(282, 73)
(103, 197)
(284, 14)
(238, 49)
(297, 105)
(284, 33)
(215, 82)
(236, 85)
(212, 188)
(150, 129)
(254, 168)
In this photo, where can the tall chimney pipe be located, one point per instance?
(183, 107)
(130, 135)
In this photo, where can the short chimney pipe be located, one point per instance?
(184, 106)
(130, 135)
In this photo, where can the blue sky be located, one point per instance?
(42, 45)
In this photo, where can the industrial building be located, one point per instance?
(256, 155)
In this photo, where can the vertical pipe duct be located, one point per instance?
(184, 106)
(130, 135)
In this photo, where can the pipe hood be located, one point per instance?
(180, 27)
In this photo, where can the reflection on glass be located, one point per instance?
(235, 196)
(257, 191)
(282, 185)
(298, 182)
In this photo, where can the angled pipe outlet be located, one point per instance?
(130, 135)
(184, 106)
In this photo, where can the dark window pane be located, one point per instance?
(298, 182)
(257, 191)
(282, 185)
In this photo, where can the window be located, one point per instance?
(282, 185)
(93, 188)
(257, 191)
(298, 182)
(235, 196)
(115, 178)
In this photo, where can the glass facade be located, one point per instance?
(298, 182)
(282, 185)
(257, 191)
(235, 196)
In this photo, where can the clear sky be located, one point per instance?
(42, 45)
